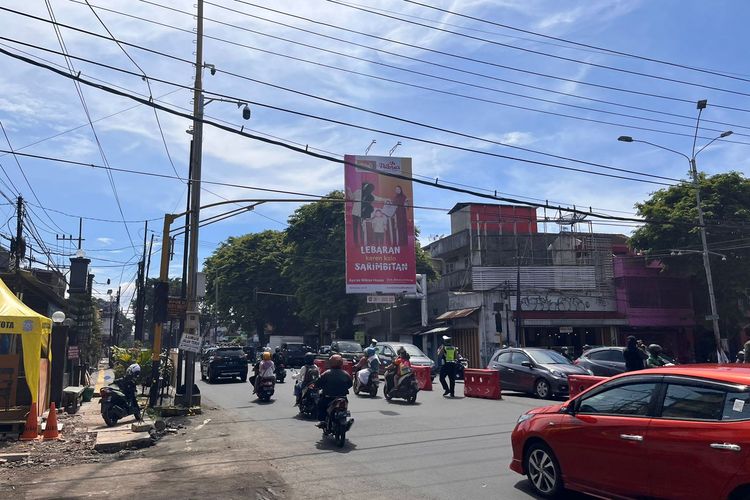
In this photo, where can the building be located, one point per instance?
(566, 284)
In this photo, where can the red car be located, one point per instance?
(679, 432)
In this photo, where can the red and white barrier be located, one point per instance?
(424, 377)
(322, 365)
(482, 383)
(579, 383)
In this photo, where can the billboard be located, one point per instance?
(380, 237)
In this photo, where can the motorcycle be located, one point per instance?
(116, 404)
(338, 421)
(407, 389)
(308, 403)
(280, 373)
(265, 388)
(461, 365)
(371, 387)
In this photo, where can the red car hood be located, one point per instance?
(546, 409)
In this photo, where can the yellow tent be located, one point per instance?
(35, 329)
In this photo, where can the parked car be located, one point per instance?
(678, 432)
(348, 349)
(542, 372)
(324, 349)
(608, 361)
(222, 362)
(387, 353)
(295, 354)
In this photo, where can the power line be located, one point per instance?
(545, 54)
(580, 44)
(409, 137)
(79, 91)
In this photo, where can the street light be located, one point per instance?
(701, 105)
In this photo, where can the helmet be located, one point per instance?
(266, 356)
(336, 361)
(278, 349)
(654, 349)
(309, 358)
(373, 342)
(370, 351)
(133, 370)
(266, 349)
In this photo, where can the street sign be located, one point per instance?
(176, 307)
(381, 299)
(190, 343)
(192, 320)
(566, 329)
(73, 352)
(712, 317)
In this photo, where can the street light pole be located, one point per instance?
(702, 226)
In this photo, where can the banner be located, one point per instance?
(380, 256)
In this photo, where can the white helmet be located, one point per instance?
(133, 370)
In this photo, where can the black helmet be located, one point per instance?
(654, 349)
(278, 349)
(309, 358)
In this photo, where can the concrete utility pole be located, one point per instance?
(140, 302)
(195, 198)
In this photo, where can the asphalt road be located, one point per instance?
(438, 448)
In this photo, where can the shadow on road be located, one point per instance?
(525, 487)
(329, 444)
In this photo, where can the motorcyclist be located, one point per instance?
(128, 385)
(334, 383)
(278, 357)
(368, 366)
(393, 369)
(307, 375)
(264, 369)
(654, 360)
(403, 368)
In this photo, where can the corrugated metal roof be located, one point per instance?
(458, 313)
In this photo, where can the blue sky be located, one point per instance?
(37, 105)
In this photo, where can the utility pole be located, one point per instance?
(140, 301)
(115, 319)
(195, 198)
(19, 246)
(519, 325)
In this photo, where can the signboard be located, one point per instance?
(73, 352)
(176, 307)
(381, 299)
(379, 222)
(566, 329)
(190, 343)
(359, 337)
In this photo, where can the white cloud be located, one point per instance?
(105, 240)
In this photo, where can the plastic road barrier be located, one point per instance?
(322, 365)
(579, 383)
(424, 377)
(482, 383)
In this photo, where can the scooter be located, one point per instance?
(407, 389)
(117, 404)
(308, 403)
(265, 388)
(338, 421)
(461, 365)
(370, 388)
(280, 373)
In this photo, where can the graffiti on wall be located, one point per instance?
(554, 303)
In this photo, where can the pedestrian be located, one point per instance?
(566, 353)
(740, 357)
(633, 355)
(654, 359)
(447, 355)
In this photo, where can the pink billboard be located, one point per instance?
(380, 237)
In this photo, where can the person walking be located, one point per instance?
(447, 356)
(633, 355)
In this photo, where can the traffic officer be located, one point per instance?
(447, 356)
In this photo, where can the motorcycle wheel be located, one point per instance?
(355, 388)
(412, 399)
(373, 392)
(341, 438)
(109, 418)
(386, 393)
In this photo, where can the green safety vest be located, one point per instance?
(450, 353)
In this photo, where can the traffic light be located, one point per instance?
(161, 299)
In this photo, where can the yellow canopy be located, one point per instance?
(16, 318)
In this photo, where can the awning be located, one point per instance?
(458, 313)
(439, 329)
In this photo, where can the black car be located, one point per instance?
(609, 361)
(348, 349)
(542, 372)
(295, 354)
(223, 362)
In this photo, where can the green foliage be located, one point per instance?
(672, 216)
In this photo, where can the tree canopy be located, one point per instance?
(672, 225)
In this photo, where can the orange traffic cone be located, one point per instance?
(31, 429)
(50, 432)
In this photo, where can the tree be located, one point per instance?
(245, 285)
(671, 224)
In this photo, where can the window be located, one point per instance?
(518, 358)
(737, 406)
(614, 355)
(695, 402)
(632, 399)
(504, 357)
(549, 357)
